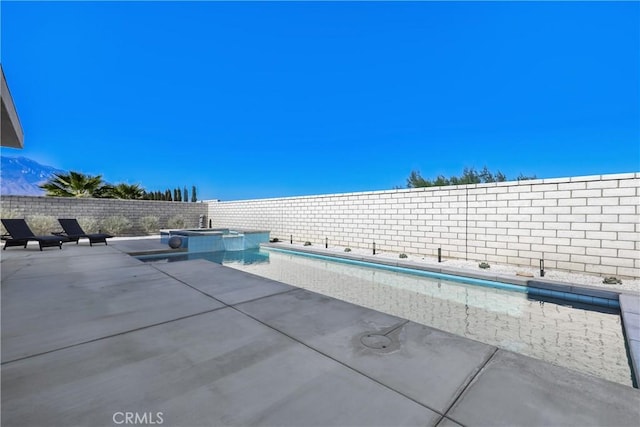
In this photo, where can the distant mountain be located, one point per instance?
(20, 176)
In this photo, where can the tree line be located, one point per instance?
(76, 184)
(469, 176)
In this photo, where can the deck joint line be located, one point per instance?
(340, 362)
(111, 336)
(471, 380)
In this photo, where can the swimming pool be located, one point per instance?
(573, 335)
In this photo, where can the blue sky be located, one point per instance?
(268, 99)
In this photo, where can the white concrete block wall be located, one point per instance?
(586, 224)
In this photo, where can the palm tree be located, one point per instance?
(74, 184)
(126, 191)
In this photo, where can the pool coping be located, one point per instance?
(211, 230)
(629, 301)
(158, 252)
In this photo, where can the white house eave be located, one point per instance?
(11, 129)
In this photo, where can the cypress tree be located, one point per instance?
(193, 194)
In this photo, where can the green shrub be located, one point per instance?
(150, 224)
(347, 249)
(403, 255)
(484, 265)
(307, 243)
(89, 224)
(274, 240)
(115, 225)
(612, 281)
(43, 224)
(176, 221)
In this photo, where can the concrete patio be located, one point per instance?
(90, 334)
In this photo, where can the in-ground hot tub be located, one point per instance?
(216, 239)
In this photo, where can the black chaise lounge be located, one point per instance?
(20, 234)
(74, 232)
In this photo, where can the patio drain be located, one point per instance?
(376, 341)
(381, 341)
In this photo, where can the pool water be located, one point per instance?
(584, 338)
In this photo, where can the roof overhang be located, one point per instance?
(11, 134)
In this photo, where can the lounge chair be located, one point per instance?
(20, 234)
(74, 232)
